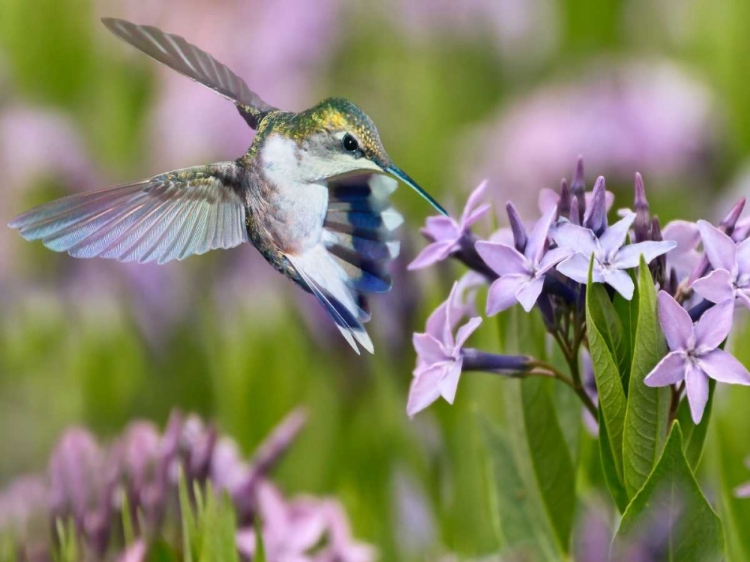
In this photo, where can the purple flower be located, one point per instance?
(439, 356)
(684, 257)
(611, 258)
(693, 355)
(521, 274)
(730, 278)
(446, 233)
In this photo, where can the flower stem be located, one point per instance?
(542, 368)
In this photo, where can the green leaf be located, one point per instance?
(187, 518)
(607, 321)
(217, 524)
(612, 401)
(672, 509)
(260, 551)
(647, 412)
(695, 435)
(519, 518)
(627, 312)
(616, 488)
(550, 456)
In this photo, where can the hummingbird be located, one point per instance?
(311, 194)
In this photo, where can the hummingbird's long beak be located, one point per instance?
(401, 175)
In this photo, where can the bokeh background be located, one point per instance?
(509, 90)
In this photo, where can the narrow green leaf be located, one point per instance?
(647, 412)
(616, 488)
(550, 457)
(520, 522)
(608, 322)
(218, 529)
(612, 401)
(127, 520)
(627, 311)
(695, 435)
(188, 519)
(671, 509)
(260, 549)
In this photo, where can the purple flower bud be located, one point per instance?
(642, 225)
(563, 205)
(516, 225)
(575, 213)
(595, 218)
(476, 360)
(730, 221)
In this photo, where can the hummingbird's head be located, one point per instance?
(338, 139)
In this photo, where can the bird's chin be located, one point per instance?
(362, 182)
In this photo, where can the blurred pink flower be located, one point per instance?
(648, 116)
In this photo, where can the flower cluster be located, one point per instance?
(548, 265)
(90, 485)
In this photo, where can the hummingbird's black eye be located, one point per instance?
(350, 143)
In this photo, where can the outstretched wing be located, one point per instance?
(189, 60)
(170, 216)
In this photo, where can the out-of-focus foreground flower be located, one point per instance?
(89, 485)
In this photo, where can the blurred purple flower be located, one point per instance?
(650, 115)
(446, 234)
(521, 274)
(439, 358)
(693, 352)
(611, 258)
(87, 484)
(730, 278)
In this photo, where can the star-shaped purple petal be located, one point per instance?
(439, 357)
(730, 278)
(611, 258)
(446, 232)
(521, 274)
(694, 354)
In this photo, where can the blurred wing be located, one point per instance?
(352, 257)
(170, 216)
(189, 60)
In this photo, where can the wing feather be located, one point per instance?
(193, 62)
(171, 216)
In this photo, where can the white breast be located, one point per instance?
(296, 208)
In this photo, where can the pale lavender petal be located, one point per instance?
(432, 254)
(453, 313)
(476, 215)
(472, 203)
(685, 233)
(449, 383)
(465, 331)
(552, 258)
(619, 281)
(743, 257)
(742, 491)
(675, 322)
(429, 350)
(719, 247)
(576, 267)
(538, 237)
(614, 237)
(437, 321)
(424, 389)
(502, 259)
(670, 370)
(744, 298)
(441, 228)
(580, 239)
(502, 293)
(547, 199)
(716, 286)
(722, 366)
(630, 256)
(713, 327)
(528, 294)
(696, 386)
